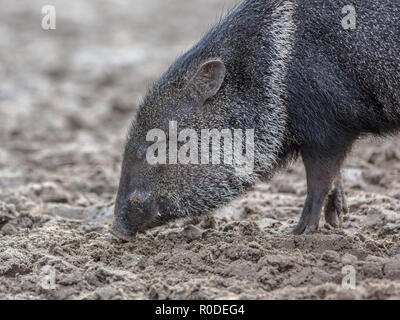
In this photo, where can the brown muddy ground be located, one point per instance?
(66, 99)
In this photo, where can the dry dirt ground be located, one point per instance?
(66, 99)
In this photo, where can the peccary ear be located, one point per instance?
(208, 79)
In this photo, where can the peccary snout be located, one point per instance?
(133, 210)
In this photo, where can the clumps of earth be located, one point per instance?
(244, 251)
(67, 101)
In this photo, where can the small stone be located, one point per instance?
(370, 245)
(209, 223)
(71, 279)
(361, 237)
(330, 256)
(129, 260)
(392, 268)
(349, 259)
(106, 293)
(8, 229)
(371, 258)
(254, 245)
(160, 258)
(64, 293)
(192, 232)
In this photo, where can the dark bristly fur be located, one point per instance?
(289, 70)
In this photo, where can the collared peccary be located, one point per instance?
(292, 71)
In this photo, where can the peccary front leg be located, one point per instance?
(320, 176)
(336, 205)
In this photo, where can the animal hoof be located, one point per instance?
(335, 208)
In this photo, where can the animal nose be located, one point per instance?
(121, 228)
(133, 211)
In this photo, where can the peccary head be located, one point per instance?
(158, 184)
